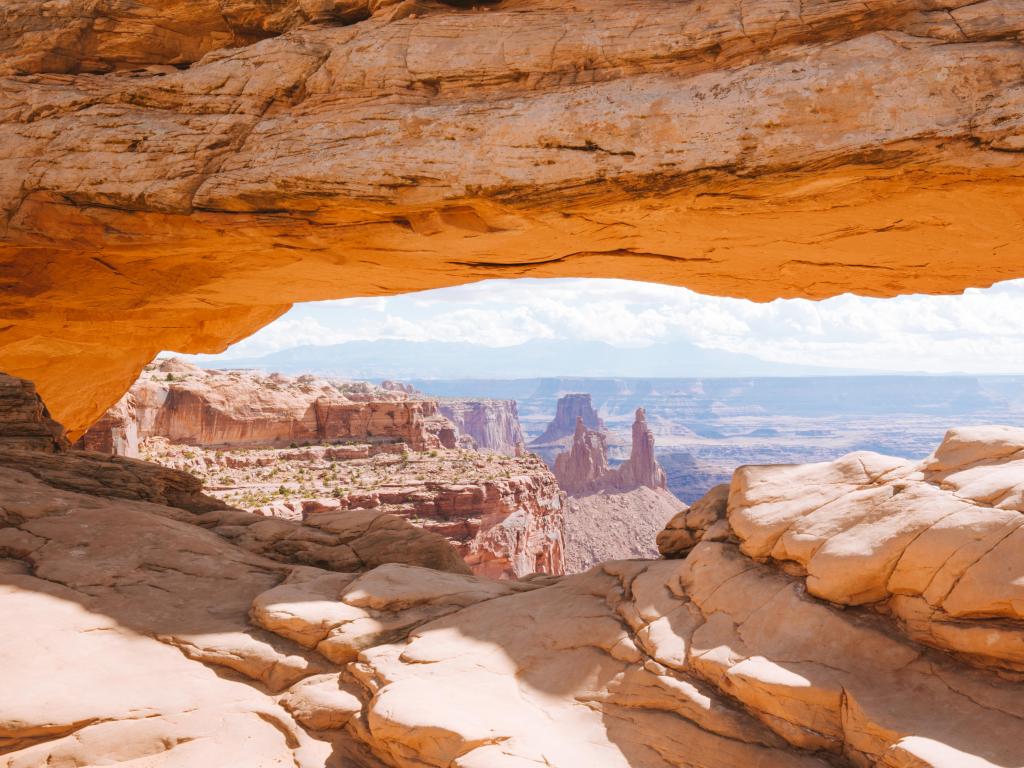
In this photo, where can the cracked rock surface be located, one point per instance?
(863, 612)
(198, 166)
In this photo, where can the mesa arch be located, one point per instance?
(176, 178)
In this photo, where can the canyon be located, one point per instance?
(613, 514)
(706, 427)
(493, 425)
(174, 175)
(301, 448)
(860, 612)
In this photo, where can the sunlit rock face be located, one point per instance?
(303, 448)
(612, 514)
(238, 409)
(864, 612)
(174, 175)
(493, 425)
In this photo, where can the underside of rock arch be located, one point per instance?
(173, 176)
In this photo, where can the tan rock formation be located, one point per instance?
(492, 424)
(761, 149)
(190, 405)
(584, 469)
(504, 515)
(570, 410)
(704, 519)
(936, 544)
(185, 649)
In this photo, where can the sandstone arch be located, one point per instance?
(160, 197)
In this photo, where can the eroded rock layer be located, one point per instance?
(504, 515)
(758, 149)
(583, 469)
(492, 424)
(858, 613)
(190, 405)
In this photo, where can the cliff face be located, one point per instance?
(493, 424)
(569, 411)
(504, 515)
(189, 405)
(584, 469)
(24, 421)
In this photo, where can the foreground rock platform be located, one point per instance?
(864, 612)
(197, 167)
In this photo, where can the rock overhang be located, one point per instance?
(756, 150)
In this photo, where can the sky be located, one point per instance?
(981, 331)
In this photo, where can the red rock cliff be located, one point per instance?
(569, 410)
(493, 424)
(233, 408)
(584, 469)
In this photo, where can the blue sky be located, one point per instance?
(979, 331)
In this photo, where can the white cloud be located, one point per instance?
(982, 330)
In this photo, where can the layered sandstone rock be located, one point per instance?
(190, 405)
(492, 424)
(218, 637)
(613, 513)
(569, 412)
(505, 516)
(794, 148)
(936, 544)
(584, 469)
(24, 421)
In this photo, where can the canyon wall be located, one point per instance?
(187, 404)
(569, 411)
(493, 424)
(504, 515)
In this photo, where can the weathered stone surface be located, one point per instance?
(705, 519)
(492, 424)
(24, 421)
(756, 149)
(939, 544)
(191, 405)
(584, 469)
(713, 661)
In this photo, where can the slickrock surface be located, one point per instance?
(938, 545)
(504, 515)
(187, 404)
(757, 149)
(245, 644)
(493, 424)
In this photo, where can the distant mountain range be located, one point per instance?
(401, 359)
